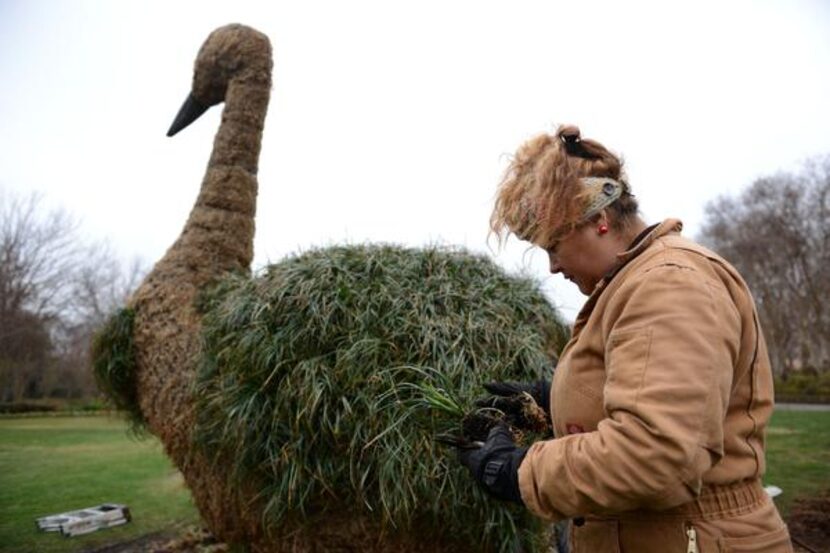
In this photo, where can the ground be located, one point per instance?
(50, 464)
(193, 540)
(809, 523)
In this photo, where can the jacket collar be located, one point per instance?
(669, 226)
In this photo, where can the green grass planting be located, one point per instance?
(113, 363)
(798, 454)
(52, 464)
(327, 378)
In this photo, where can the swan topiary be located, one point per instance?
(302, 404)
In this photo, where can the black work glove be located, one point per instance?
(495, 465)
(538, 390)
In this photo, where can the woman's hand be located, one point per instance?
(495, 465)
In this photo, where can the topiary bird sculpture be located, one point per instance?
(300, 405)
(233, 66)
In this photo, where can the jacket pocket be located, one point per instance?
(772, 542)
(595, 536)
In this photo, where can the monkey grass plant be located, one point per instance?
(327, 378)
(113, 364)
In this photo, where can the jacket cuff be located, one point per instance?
(528, 490)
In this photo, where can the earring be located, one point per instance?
(602, 229)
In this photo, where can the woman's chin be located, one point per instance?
(584, 288)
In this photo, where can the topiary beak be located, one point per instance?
(191, 110)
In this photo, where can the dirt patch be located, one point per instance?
(193, 540)
(141, 544)
(809, 523)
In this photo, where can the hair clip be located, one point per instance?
(603, 190)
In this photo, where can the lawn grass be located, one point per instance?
(798, 455)
(52, 464)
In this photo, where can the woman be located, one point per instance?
(661, 398)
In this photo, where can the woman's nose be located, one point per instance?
(554, 264)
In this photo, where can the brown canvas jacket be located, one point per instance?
(663, 391)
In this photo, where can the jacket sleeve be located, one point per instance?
(671, 342)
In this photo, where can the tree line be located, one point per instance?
(777, 234)
(55, 291)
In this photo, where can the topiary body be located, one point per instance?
(275, 377)
(305, 388)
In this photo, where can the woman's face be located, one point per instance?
(582, 256)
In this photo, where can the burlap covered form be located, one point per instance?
(288, 400)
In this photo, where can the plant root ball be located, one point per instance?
(301, 390)
(476, 425)
(521, 414)
(528, 415)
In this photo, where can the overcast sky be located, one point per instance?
(393, 121)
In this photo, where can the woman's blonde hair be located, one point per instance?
(540, 197)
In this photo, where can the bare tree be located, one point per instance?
(100, 285)
(37, 251)
(777, 233)
(54, 292)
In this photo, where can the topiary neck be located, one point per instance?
(239, 137)
(219, 233)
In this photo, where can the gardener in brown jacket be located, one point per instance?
(661, 398)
